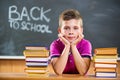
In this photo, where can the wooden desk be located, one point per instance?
(23, 76)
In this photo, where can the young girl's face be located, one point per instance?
(71, 29)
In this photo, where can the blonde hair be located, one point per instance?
(70, 14)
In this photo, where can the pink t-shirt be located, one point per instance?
(84, 47)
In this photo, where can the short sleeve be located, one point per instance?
(55, 49)
(85, 48)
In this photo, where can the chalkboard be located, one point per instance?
(24, 22)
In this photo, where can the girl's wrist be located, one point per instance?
(67, 46)
(73, 46)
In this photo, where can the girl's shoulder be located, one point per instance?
(84, 41)
(57, 42)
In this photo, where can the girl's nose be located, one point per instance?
(71, 32)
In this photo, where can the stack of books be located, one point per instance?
(37, 59)
(105, 62)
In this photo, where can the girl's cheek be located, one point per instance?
(64, 32)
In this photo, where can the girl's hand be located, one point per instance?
(65, 41)
(80, 37)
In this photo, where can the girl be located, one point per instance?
(70, 53)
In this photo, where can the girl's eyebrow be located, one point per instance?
(66, 26)
(75, 26)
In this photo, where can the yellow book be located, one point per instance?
(105, 60)
(38, 53)
(37, 68)
(114, 56)
(105, 51)
(105, 69)
(38, 74)
(35, 48)
(36, 71)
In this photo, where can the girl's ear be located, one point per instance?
(59, 30)
(82, 30)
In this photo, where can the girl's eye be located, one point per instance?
(66, 28)
(75, 28)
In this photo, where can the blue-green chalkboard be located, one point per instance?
(24, 22)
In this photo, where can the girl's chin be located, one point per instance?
(70, 41)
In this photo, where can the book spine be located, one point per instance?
(105, 51)
(106, 74)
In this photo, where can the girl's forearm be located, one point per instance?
(60, 64)
(81, 65)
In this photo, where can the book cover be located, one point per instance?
(104, 56)
(36, 68)
(37, 71)
(38, 74)
(105, 70)
(106, 60)
(105, 51)
(103, 65)
(41, 53)
(37, 59)
(36, 64)
(35, 48)
(106, 74)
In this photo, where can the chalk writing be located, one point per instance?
(25, 20)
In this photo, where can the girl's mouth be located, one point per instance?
(71, 38)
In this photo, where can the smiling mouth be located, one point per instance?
(71, 38)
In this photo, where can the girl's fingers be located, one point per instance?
(81, 35)
(63, 39)
(60, 35)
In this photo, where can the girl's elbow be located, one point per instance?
(58, 72)
(83, 73)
